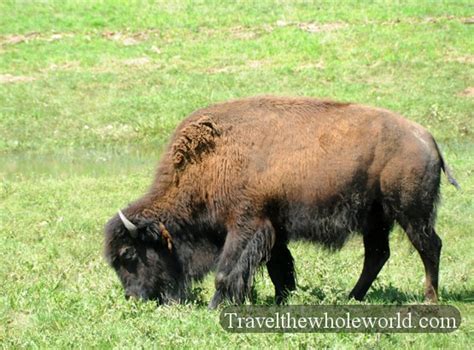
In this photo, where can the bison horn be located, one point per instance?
(128, 224)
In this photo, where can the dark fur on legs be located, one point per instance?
(428, 244)
(236, 267)
(282, 272)
(377, 250)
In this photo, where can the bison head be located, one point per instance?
(143, 256)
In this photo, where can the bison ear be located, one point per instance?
(150, 232)
(157, 232)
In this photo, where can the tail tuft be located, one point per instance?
(447, 170)
(450, 176)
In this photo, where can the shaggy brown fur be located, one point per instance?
(194, 140)
(242, 178)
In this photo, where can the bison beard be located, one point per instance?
(241, 179)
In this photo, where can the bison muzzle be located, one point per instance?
(240, 179)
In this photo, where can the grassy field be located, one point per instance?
(90, 92)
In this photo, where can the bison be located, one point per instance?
(241, 179)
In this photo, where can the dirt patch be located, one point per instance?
(249, 33)
(14, 39)
(469, 92)
(246, 33)
(312, 27)
(426, 20)
(57, 36)
(461, 59)
(18, 38)
(125, 38)
(8, 78)
(129, 38)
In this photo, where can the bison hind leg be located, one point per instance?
(377, 250)
(428, 244)
(417, 215)
(413, 202)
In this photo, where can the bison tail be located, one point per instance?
(446, 169)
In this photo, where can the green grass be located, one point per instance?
(105, 83)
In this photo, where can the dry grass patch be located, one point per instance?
(249, 33)
(469, 92)
(9, 78)
(123, 37)
(425, 20)
(139, 61)
(13, 39)
(468, 59)
(130, 38)
(312, 65)
(246, 33)
(313, 27)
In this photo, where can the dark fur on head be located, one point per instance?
(161, 261)
(145, 265)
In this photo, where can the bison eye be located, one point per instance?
(127, 253)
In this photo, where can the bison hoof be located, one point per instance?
(356, 296)
(431, 296)
(216, 300)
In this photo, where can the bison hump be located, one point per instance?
(193, 141)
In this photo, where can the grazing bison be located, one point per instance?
(242, 178)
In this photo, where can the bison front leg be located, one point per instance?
(246, 247)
